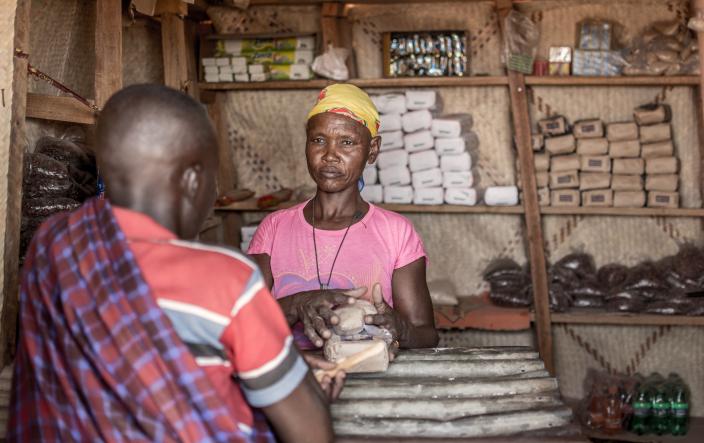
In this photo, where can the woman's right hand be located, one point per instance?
(314, 310)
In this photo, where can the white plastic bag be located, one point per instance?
(332, 64)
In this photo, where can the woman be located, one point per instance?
(337, 247)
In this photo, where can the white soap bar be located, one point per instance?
(307, 42)
(451, 146)
(390, 103)
(390, 122)
(389, 159)
(238, 62)
(211, 70)
(418, 141)
(369, 175)
(446, 128)
(300, 72)
(428, 196)
(398, 194)
(208, 61)
(257, 69)
(233, 47)
(417, 120)
(258, 77)
(427, 179)
(391, 140)
(396, 176)
(225, 76)
(212, 78)
(244, 246)
(420, 161)
(456, 163)
(225, 70)
(416, 100)
(460, 196)
(239, 69)
(222, 61)
(247, 232)
(457, 179)
(242, 77)
(501, 196)
(373, 193)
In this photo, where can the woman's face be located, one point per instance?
(337, 150)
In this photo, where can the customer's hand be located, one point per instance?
(315, 310)
(332, 386)
(386, 317)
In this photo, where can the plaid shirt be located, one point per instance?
(98, 360)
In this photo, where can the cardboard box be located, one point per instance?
(596, 163)
(655, 133)
(626, 182)
(564, 180)
(588, 129)
(566, 197)
(628, 166)
(600, 197)
(559, 163)
(592, 146)
(624, 149)
(662, 182)
(658, 149)
(563, 144)
(629, 199)
(594, 180)
(622, 131)
(657, 199)
(661, 165)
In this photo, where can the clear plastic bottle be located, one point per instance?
(612, 419)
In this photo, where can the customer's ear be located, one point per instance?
(374, 146)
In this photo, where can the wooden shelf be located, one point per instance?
(683, 80)
(63, 109)
(477, 312)
(597, 317)
(696, 431)
(362, 83)
(637, 212)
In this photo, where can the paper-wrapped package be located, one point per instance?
(588, 129)
(446, 146)
(599, 197)
(398, 194)
(544, 196)
(501, 196)
(564, 180)
(658, 149)
(563, 144)
(416, 120)
(370, 175)
(373, 193)
(418, 141)
(391, 140)
(389, 159)
(541, 162)
(655, 133)
(594, 180)
(629, 199)
(661, 165)
(395, 176)
(595, 163)
(627, 182)
(622, 131)
(565, 197)
(553, 126)
(460, 196)
(390, 122)
(624, 149)
(429, 178)
(537, 141)
(659, 199)
(652, 114)
(390, 103)
(662, 182)
(463, 179)
(416, 100)
(592, 146)
(559, 163)
(428, 196)
(456, 163)
(419, 161)
(451, 126)
(628, 166)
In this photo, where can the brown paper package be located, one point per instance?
(651, 114)
(569, 197)
(594, 180)
(563, 144)
(537, 141)
(628, 166)
(629, 199)
(624, 149)
(662, 182)
(657, 149)
(655, 133)
(622, 131)
(661, 165)
(542, 179)
(564, 180)
(600, 197)
(553, 126)
(592, 146)
(541, 162)
(588, 129)
(596, 163)
(658, 199)
(627, 182)
(544, 196)
(559, 163)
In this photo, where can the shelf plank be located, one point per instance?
(597, 317)
(477, 312)
(681, 80)
(362, 83)
(637, 212)
(63, 109)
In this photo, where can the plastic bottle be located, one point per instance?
(612, 419)
(642, 401)
(679, 403)
(660, 420)
(597, 409)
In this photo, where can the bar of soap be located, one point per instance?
(336, 350)
(352, 317)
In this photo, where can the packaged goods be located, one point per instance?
(417, 100)
(450, 145)
(419, 161)
(542, 179)
(559, 163)
(626, 182)
(443, 292)
(428, 196)
(227, 77)
(509, 283)
(209, 61)
(211, 70)
(391, 140)
(624, 149)
(544, 196)
(260, 77)
(594, 180)
(418, 141)
(588, 129)
(628, 166)
(658, 149)
(592, 146)
(621, 131)
(652, 114)
(416, 120)
(559, 60)
(597, 163)
(456, 163)
(565, 197)
(564, 180)
(295, 43)
(429, 178)
(460, 196)
(597, 63)
(451, 126)
(244, 77)
(629, 199)
(289, 72)
(537, 142)
(595, 34)
(370, 175)
(390, 123)
(501, 196)
(256, 69)
(553, 126)
(563, 144)
(373, 193)
(661, 165)
(390, 103)
(398, 194)
(541, 162)
(300, 57)
(389, 159)
(395, 176)
(659, 199)
(409, 54)
(655, 133)
(599, 197)
(463, 179)
(212, 78)
(661, 182)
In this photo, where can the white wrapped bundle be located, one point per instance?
(450, 146)
(456, 163)
(389, 159)
(463, 179)
(391, 140)
(390, 103)
(451, 126)
(398, 194)
(373, 193)
(428, 196)
(369, 175)
(418, 141)
(417, 120)
(501, 196)
(390, 122)
(416, 100)
(429, 178)
(395, 176)
(461, 196)
(423, 160)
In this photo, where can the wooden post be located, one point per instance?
(697, 10)
(13, 213)
(329, 18)
(536, 251)
(191, 59)
(108, 50)
(173, 46)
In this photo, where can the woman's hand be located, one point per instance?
(314, 310)
(332, 386)
(387, 318)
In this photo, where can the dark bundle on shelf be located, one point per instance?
(426, 54)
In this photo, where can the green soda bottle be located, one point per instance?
(660, 419)
(642, 402)
(679, 403)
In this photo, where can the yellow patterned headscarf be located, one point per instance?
(350, 101)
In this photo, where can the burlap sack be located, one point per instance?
(661, 165)
(553, 126)
(627, 182)
(567, 197)
(559, 163)
(600, 197)
(563, 144)
(629, 199)
(588, 129)
(594, 180)
(658, 199)
(622, 131)
(564, 180)
(657, 149)
(628, 166)
(652, 114)
(655, 133)
(624, 149)
(592, 146)
(596, 163)
(661, 182)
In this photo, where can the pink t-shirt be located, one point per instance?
(375, 246)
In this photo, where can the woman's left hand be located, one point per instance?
(386, 317)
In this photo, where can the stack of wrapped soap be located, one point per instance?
(244, 60)
(247, 233)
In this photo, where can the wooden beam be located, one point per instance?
(192, 36)
(171, 7)
(63, 109)
(330, 24)
(17, 142)
(697, 8)
(174, 52)
(108, 49)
